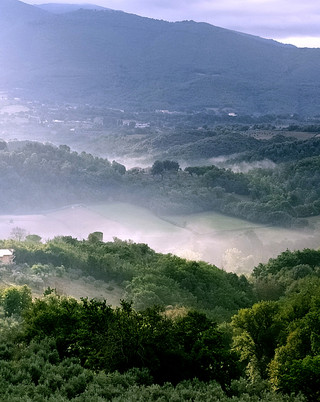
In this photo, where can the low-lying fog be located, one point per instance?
(229, 243)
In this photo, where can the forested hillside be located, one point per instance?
(148, 278)
(121, 60)
(38, 177)
(185, 330)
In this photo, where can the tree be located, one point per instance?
(294, 376)
(256, 332)
(42, 270)
(16, 300)
(296, 364)
(118, 167)
(95, 237)
(33, 238)
(207, 353)
(18, 234)
(170, 166)
(53, 316)
(159, 167)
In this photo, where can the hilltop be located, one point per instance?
(59, 8)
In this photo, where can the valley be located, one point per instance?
(230, 243)
(159, 209)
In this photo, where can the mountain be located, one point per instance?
(58, 8)
(121, 60)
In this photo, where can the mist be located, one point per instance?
(245, 167)
(229, 243)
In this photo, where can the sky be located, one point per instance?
(288, 21)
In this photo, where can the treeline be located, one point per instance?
(198, 144)
(45, 176)
(239, 142)
(286, 150)
(58, 348)
(37, 177)
(278, 196)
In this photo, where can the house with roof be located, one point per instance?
(6, 256)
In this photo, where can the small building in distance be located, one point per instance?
(6, 256)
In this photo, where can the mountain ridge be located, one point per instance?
(127, 61)
(61, 8)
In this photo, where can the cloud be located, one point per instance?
(303, 41)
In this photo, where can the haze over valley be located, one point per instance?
(229, 243)
(159, 204)
(61, 189)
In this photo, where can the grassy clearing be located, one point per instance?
(208, 222)
(132, 216)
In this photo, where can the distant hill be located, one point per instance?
(58, 8)
(122, 60)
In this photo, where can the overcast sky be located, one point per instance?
(289, 21)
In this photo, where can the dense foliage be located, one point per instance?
(280, 340)
(286, 150)
(108, 339)
(55, 346)
(36, 372)
(47, 176)
(148, 278)
(44, 176)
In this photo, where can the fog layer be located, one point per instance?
(230, 243)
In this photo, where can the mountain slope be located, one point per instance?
(122, 60)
